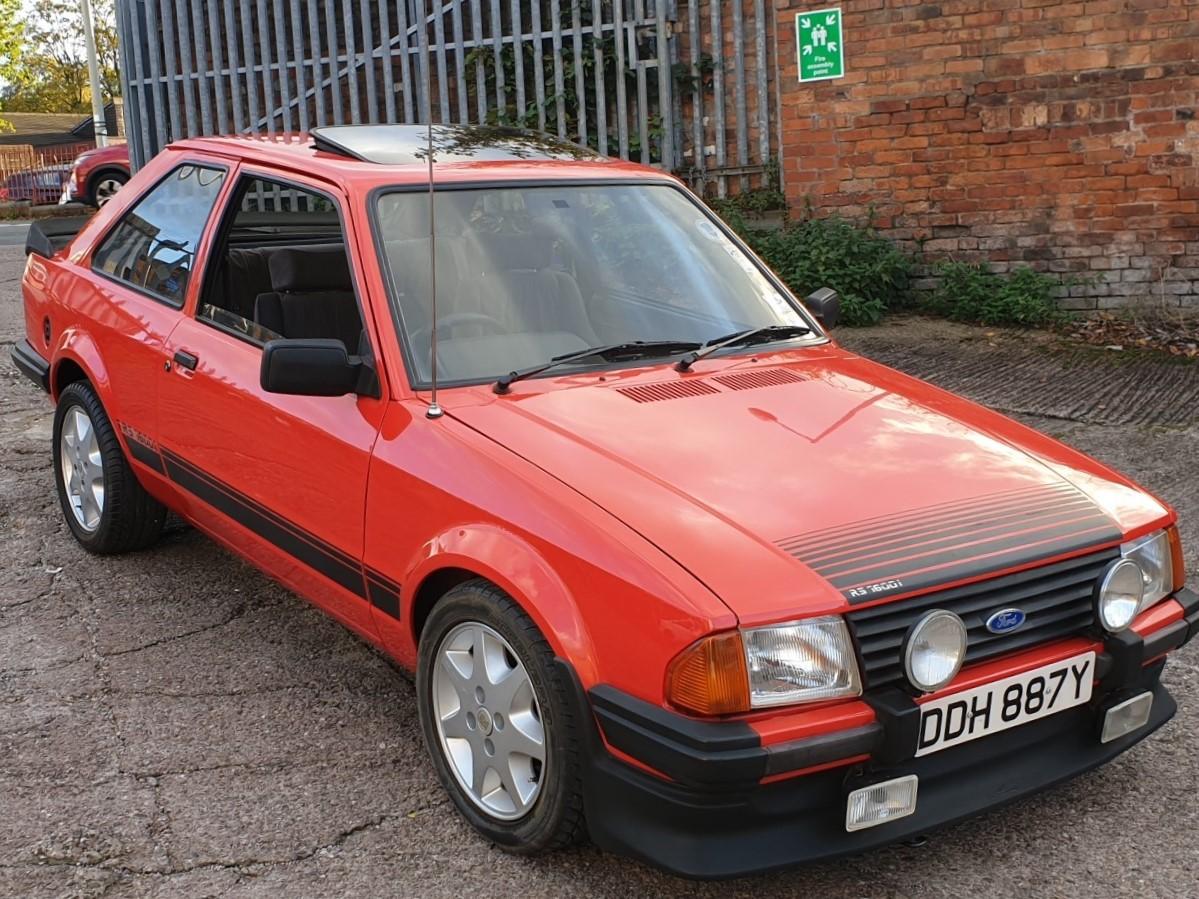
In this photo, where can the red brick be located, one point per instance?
(1042, 131)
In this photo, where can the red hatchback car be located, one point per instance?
(672, 568)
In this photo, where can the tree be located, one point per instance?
(43, 59)
(11, 41)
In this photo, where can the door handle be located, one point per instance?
(186, 360)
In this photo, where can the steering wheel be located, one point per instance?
(460, 319)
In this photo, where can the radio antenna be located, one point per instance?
(434, 410)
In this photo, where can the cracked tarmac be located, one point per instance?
(172, 723)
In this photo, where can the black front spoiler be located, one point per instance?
(30, 364)
(712, 816)
(708, 832)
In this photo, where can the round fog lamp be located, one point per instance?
(1119, 594)
(934, 650)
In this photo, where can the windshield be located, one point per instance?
(525, 274)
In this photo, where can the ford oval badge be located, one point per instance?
(1005, 621)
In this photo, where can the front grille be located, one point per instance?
(1055, 598)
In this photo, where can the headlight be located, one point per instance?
(763, 667)
(934, 649)
(1119, 595)
(1153, 554)
(801, 662)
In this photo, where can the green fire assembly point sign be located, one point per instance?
(819, 41)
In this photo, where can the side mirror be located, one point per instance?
(47, 236)
(825, 304)
(309, 367)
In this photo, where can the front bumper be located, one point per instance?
(715, 817)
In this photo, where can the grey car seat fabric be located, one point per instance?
(520, 289)
(312, 297)
(246, 274)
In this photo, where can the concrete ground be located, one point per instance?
(174, 724)
(12, 234)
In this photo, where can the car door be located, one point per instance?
(280, 478)
(134, 289)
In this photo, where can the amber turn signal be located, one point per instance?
(710, 677)
(1180, 575)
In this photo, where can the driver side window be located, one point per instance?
(281, 268)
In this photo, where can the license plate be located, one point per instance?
(1010, 702)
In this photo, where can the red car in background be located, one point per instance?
(97, 175)
(673, 569)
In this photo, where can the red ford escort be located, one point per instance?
(672, 568)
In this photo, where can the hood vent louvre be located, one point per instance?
(752, 380)
(667, 390)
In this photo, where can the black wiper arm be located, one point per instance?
(628, 350)
(748, 336)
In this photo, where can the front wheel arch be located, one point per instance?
(432, 589)
(501, 558)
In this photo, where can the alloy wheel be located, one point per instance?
(106, 189)
(488, 721)
(82, 468)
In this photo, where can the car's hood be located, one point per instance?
(796, 484)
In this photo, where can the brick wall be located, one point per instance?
(1064, 135)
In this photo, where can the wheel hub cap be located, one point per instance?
(82, 468)
(488, 721)
(485, 723)
(106, 190)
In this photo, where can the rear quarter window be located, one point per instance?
(153, 246)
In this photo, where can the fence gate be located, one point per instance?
(682, 86)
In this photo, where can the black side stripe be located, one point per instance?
(146, 455)
(384, 593)
(307, 548)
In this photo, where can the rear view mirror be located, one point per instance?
(825, 304)
(309, 367)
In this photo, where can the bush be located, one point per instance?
(975, 293)
(869, 272)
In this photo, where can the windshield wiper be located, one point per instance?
(635, 349)
(745, 337)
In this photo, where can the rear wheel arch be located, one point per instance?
(67, 372)
(77, 358)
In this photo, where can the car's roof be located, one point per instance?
(372, 155)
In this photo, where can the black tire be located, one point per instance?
(555, 819)
(130, 519)
(117, 176)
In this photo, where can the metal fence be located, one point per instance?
(685, 88)
(36, 174)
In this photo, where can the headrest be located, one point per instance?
(309, 268)
(513, 252)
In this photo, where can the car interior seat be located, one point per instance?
(312, 295)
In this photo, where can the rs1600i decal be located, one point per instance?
(910, 551)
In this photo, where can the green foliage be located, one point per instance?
(752, 202)
(869, 272)
(43, 63)
(975, 293)
(12, 38)
(700, 79)
(575, 107)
